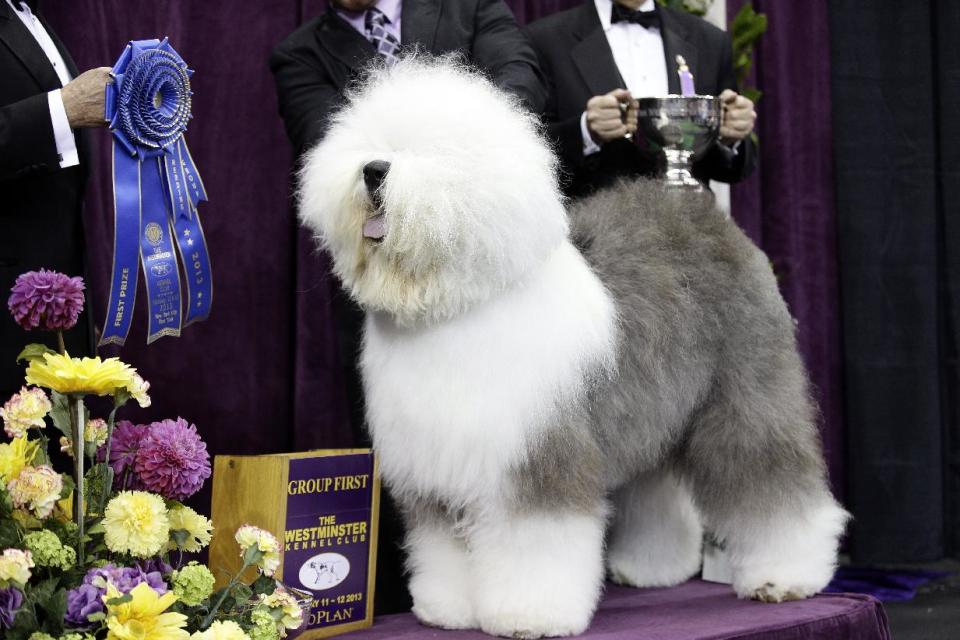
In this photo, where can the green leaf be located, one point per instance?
(9, 534)
(6, 504)
(97, 617)
(33, 352)
(112, 602)
(120, 398)
(60, 413)
(42, 592)
(180, 537)
(55, 607)
(23, 625)
(252, 555)
(97, 483)
(752, 93)
(264, 585)
(242, 592)
(68, 485)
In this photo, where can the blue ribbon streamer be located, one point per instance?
(156, 193)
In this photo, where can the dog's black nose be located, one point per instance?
(374, 173)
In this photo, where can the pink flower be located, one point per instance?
(172, 459)
(24, 410)
(46, 300)
(36, 490)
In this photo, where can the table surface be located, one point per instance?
(696, 610)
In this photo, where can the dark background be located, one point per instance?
(852, 202)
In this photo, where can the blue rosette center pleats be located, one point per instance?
(156, 192)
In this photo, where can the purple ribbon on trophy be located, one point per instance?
(156, 192)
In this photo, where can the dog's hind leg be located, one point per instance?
(537, 572)
(656, 538)
(754, 459)
(437, 560)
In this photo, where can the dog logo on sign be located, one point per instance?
(324, 571)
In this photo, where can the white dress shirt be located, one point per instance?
(63, 135)
(640, 59)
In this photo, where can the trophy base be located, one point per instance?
(678, 174)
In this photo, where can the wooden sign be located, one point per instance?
(324, 508)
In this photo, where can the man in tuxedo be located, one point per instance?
(316, 62)
(312, 67)
(606, 53)
(44, 104)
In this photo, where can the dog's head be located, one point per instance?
(433, 190)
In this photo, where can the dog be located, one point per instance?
(557, 394)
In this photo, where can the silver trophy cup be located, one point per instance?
(677, 130)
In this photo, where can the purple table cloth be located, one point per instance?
(693, 611)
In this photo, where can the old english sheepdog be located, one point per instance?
(560, 394)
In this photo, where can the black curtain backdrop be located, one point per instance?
(896, 88)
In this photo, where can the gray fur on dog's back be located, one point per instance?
(708, 376)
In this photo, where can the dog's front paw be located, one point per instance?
(782, 583)
(778, 593)
(441, 600)
(529, 620)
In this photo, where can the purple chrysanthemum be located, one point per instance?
(123, 452)
(172, 460)
(88, 597)
(10, 602)
(46, 300)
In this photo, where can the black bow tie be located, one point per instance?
(646, 19)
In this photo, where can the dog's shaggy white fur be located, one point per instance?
(533, 401)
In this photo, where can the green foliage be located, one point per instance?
(745, 29)
(33, 352)
(9, 533)
(264, 585)
(696, 7)
(98, 483)
(60, 413)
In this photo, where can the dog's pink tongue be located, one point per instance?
(376, 227)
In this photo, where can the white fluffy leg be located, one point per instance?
(656, 538)
(786, 556)
(537, 574)
(439, 581)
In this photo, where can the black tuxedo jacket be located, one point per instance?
(316, 62)
(577, 63)
(40, 203)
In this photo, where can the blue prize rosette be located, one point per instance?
(156, 190)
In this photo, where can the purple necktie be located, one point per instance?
(382, 40)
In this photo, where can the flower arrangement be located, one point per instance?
(99, 552)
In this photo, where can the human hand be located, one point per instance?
(738, 117)
(606, 119)
(83, 98)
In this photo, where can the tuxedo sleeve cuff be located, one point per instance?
(62, 133)
(589, 146)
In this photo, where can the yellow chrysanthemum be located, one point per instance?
(143, 617)
(15, 455)
(221, 630)
(81, 375)
(198, 529)
(136, 522)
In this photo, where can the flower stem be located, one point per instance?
(223, 596)
(108, 445)
(61, 347)
(77, 423)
